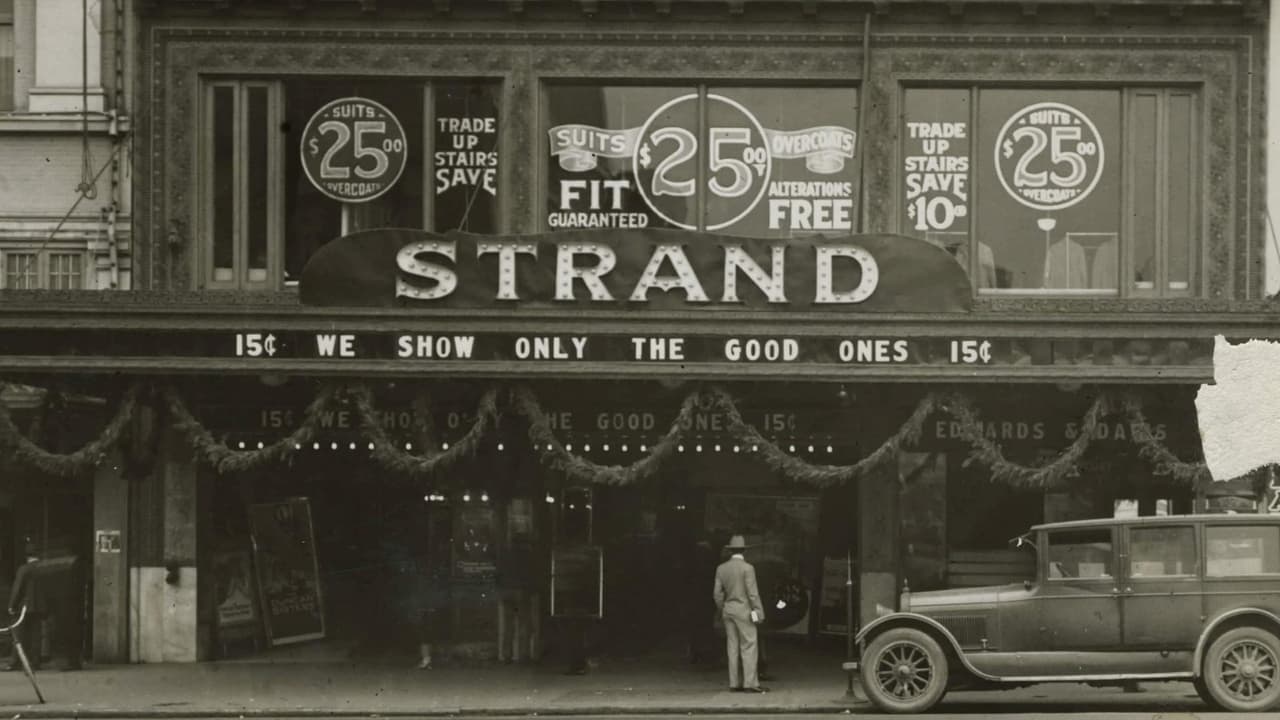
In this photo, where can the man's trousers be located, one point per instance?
(740, 641)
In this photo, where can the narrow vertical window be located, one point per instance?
(1182, 174)
(6, 55)
(1144, 185)
(257, 166)
(223, 162)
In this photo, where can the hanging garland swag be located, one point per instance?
(68, 465)
(578, 469)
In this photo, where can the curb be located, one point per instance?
(39, 713)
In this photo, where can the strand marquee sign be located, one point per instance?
(654, 269)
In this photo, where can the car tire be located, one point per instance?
(1202, 690)
(904, 670)
(1242, 670)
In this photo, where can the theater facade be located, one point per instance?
(485, 316)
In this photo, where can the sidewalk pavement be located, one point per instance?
(257, 688)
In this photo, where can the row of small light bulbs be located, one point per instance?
(484, 498)
(568, 447)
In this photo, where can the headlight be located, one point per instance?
(882, 610)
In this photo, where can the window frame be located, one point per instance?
(43, 253)
(1047, 550)
(1208, 576)
(1196, 212)
(1196, 555)
(279, 155)
(701, 86)
(240, 279)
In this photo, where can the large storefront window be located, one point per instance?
(753, 162)
(267, 164)
(1064, 192)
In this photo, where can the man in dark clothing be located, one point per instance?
(699, 610)
(50, 588)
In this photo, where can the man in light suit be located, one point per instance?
(738, 599)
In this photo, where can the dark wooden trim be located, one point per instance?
(176, 317)
(600, 370)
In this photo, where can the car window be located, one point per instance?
(1162, 552)
(1079, 554)
(1234, 550)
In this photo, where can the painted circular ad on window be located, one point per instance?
(354, 149)
(1049, 156)
(738, 170)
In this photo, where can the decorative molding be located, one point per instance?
(1219, 64)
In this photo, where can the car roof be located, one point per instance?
(1215, 518)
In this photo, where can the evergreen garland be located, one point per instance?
(799, 470)
(386, 453)
(989, 453)
(581, 470)
(1166, 463)
(67, 465)
(226, 460)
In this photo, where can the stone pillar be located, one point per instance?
(878, 542)
(68, 57)
(180, 501)
(163, 598)
(110, 563)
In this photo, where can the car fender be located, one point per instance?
(907, 619)
(1202, 645)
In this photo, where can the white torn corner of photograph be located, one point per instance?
(1240, 412)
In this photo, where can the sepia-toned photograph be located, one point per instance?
(639, 359)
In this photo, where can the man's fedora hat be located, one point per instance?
(736, 542)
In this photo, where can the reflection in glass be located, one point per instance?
(1050, 209)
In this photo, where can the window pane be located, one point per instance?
(1080, 554)
(936, 156)
(465, 157)
(258, 169)
(21, 271)
(1144, 187)
(806, 153)
(1049, 173)
(1162, 551)
(6, 62)
(312, 218)
(1243, 550)
(223, 160)
(1181, 176)
(64, 271)
(593, 136)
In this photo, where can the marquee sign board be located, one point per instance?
(655, 269)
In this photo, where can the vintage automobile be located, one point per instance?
(1192, 597)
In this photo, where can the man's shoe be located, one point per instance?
(734, 688)
(756, 689)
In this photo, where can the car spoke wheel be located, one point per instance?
(1242, 669)
(904, 670)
